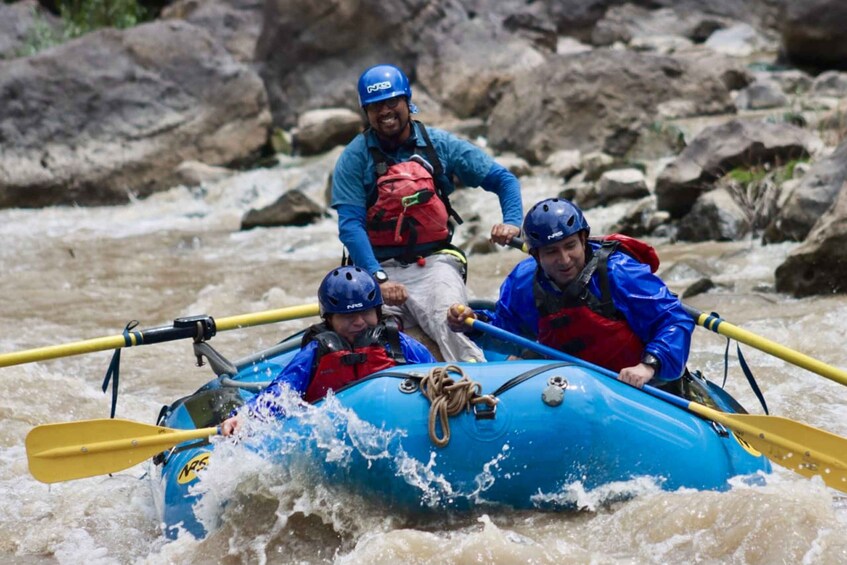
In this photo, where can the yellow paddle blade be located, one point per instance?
(74, 450)
(815, 453)
(800, 447)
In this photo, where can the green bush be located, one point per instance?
(746, 176)
(40, 36)
(756, 174)
(82, 16)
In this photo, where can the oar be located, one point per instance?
(74, 450)
(720, 326)
(182, 328)
(802, 448)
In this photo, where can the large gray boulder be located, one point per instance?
(814, 194)
(321, 130)
(715, 216)
(468, 74)
(115, 112)
(630, 22)
(578, 17)
(291, 209)
(311, 53)
(813, 33)
(599, 100)
(819, 266)
(719, 149)
(234, 23)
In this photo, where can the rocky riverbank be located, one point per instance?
(707, 116)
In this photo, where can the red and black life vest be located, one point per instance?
(407, 209)
(337, 363)
(591, 328)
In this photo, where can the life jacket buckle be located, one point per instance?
(411, 200)
(354, 359)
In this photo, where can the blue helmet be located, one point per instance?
(348, 289)
(552, 220)
(382, 82)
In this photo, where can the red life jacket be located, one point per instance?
(408, 210)
(591, 328)
(337, 363)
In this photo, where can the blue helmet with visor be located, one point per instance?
(382, 82)
(552, 220)
(346, 290)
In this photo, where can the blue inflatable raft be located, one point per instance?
(555, 425)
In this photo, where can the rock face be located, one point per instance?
(813, 33)
(234, 23)
(599, 100)
(715, 216)
(719, 149)
(321, 130)
(311, 53)
(291, 209)
(114, 113)
(819, 266)
(805, 204)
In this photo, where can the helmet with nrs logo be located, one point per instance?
(348, 289)
(382, 82)
(552, 220)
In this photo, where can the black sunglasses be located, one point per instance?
(391, 103)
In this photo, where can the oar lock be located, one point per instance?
(205, 326)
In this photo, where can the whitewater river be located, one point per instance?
(68, 274)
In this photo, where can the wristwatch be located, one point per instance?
(380, 276)
(652, 361)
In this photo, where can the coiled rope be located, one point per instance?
(448, 397)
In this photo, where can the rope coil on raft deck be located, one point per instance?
(448, 397)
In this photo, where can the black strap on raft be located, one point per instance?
(114, 370)
(745, 368)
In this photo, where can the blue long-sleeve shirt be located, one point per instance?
(652, 311)
(297, 375)
(355, 177)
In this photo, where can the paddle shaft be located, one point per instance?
(720, 326)
(182, 328)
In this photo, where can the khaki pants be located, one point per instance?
(433, 288)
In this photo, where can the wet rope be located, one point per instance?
(448, 397)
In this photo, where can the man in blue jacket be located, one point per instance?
(353, 342)
(391, 187)
(590, 299)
